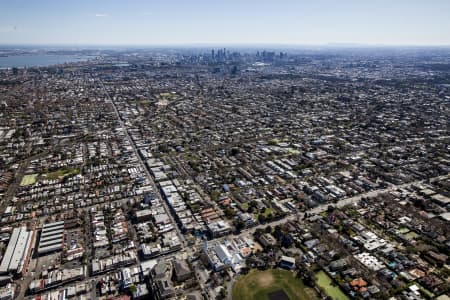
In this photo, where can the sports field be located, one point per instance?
(28, 179)
(324, 281)
(274, 284)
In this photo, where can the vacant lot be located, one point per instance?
(270, 285)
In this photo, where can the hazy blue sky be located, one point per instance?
(125, 22)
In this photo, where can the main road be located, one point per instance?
(341, 203)
(142, 163)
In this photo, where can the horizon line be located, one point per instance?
(206, 44)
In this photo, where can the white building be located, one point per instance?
(18, 252)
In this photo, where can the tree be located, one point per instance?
(330, 208)
(240, 225)
(214, 195)
(133, 288)
(286, 241)
(309, 278)
(253, 204)
(261, 218)
(163, 148)
(235, 151)
(258, 232)
(186, 196)
(277, 233)
(229, 212)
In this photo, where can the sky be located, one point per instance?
(221, 22)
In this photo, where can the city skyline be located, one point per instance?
(154, 23)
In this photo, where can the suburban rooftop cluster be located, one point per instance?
(157, 174)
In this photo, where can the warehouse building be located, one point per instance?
(52, 237)
(18, 252)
